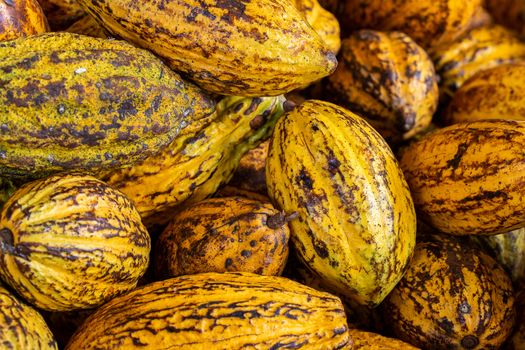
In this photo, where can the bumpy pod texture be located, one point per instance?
(242, 47)
(71, 242)
(218, 311)
(70, 101)
(453, 296)
(468, 178)
(356, 227)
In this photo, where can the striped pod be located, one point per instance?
(21, 326)
(73, 102)
(21, 18)
(453, 296)
(71, 242)
(244, 48)
(218, 311)
(199, 162)
(468, 178)
(356, 226)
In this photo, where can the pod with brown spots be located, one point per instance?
(71, 242)
(218, 311)
(229, 47)
(453, 296)
(356, 227)
(87, 25)
(482, 48)
(21, 326)
(468, 178)
(200, 161)
(21, 18)
(72, 102)
(495, 93)
(224, 234)
(428, 22)
(387, 79)
(61, 13)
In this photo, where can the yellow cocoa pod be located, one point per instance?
(428, 22)
(87, 25)
(481, 48)
(217, 311)
(468, 178)
(61, 13)
(372, 341)
(495, 93)
(509, 13)
(246, 48)
(71, 242)
(356, 227)
(453, 296)
(251, 173)
(387, 79)
(21, 326)
(199, 162)
(21, 18)
(224, 235)
(73, 102)
(323, 21)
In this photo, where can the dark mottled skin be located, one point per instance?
(453, 296)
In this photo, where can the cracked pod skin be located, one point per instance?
(244, 48)
(200, 161)
(72, 102)
(428, 22)
(356, 223)
(21, 18)
(71, 242)
(218, 311)
(453, 296)
(21, 326)
(387, 79)
(224, 235)
(467, 178)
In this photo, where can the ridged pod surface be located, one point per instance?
(387, 79)
(241, 47)
(224, 235)
(323, 21)
(509, 250)
(428, 22)
(21, 18)
(509, 13)
(71, 242)
(87, 25)
(196, 165)
(61, 13)
(373, 341)
(251, 173)
(481, 48)
(356, 227)
(453, 296)
(495, 93)
(468, 178)
(73, 102)
(21, 326)
(218, 311)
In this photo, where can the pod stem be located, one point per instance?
(280, 219)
